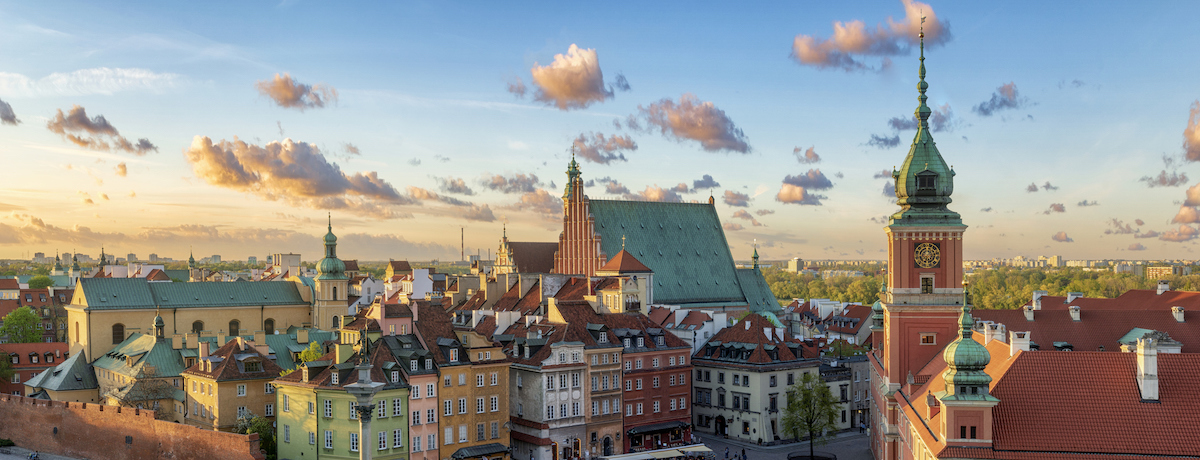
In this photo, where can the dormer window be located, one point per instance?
(603, 337)
(626, 340)
(453, 355)
(396, 376)
(641, 342)
(926, 181)
(412, 365)
(334, 377)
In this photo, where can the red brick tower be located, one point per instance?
(579, 245)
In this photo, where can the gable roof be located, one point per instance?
(624, 262)
(132, 293)
(400, 266)
(683, 244)
(131, 357)
(1097, 326)
(750, 341)
(533, 257)
(351, 265)
(9, 284)
(228, 363)
(75, 373)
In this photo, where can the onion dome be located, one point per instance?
(330, 267)
(966, 360)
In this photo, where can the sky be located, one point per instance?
(240, 128)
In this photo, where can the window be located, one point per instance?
(462, 405)
(562, 381)
(328, 439)
(605, 382)
(639, 384)
(416, 445)
(672, 361)
(353, 413)
(928, 338)
(595, 360)
(495, 379)
(194, 386)
(639, 408)
(287, 407)
(449, 437)
(575, 357)
(628, 410)
(429, 390)
(430, 416)
(268, 388)
(447, 410)
(596, 382)
(575, 409)
(628, 365)
(638, 364)
(720, 377)
(462, 433)
(562, 358)
(791, 379)
(241, 390)
(287, 433)
(383, 440)
(549, 412)
(641, 342)
(605, 407)
(672, 380)
(416, 417)
(495, 403)
(432, 440)
(478, 380)
(654, 363)
(629, 385)
(479, 432)
(737, 379)
(398, 408)
(312, 438)
(487, 355)
(927, 284)
(654, 382)
(328, 408)
(353, 442)
(596, 408)
(412, 365)
(447, 380)
(926, 182)
(626, 342)
(603, 337)
(672, 404)
(118, 334)
(333, 378)
(656, 407)
(683, 379)
(234, 325)
(429, 363)
(772, 380)
(575, 380)
(310, 407)
(462, 379)
(381, 408)
(478, 405)
(495, 430)
(454, 357)
(269, 410)
(682, 361)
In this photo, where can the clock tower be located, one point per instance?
(922, 298)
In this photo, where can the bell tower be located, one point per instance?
(331, 291)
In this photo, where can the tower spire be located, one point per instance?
(755, 254)
(923, 110)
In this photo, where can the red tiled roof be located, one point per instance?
(1096, 326)
(508, 301)
(694, 318)
(573, 289)
(400, 266)
(533, 257)
(753, 334)
(35, 297)
(157, 275)
(228, 369)
(532, 300)
(660, 315)
(475, 302)
(624, 262)
(859, 312)
(351, 265)
(9, 284)
(1134, 299)
(1090, 402)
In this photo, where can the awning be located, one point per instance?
(668, 453)
(479, 451)
(656, 427)
(696, 448)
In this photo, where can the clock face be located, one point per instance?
(927, 255)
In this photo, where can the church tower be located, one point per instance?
(578, 245)
(331, 286)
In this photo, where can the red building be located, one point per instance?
(28, 360)
(47, 306)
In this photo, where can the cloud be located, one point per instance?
(1086, 203)
(291, 94)
(572, 81)
(732, 226)
(884, 174)
(681, 188)
(794, 194)
(1191, 134)
(1119, 227)
(1049, 188)
(1073, 83)
(7, 116)
(420, 194)
(693, 119)
(94, 133)
(104, 196)
(883, 142)
(763, 212)
(293, 172)
(517, 87)
(622, 83)
(987, 209)
(1179, 235)
(806, 156)
(518, 183)
(1149, 234)
(655, 193)
(1137, 247)
(1174, 179)
(852, 41)
(541, 201)
(733, 198)
(351, 149)
(122, 170)
(1062, 237)
(100, 80)
(1031, 188)
(889, 190)
(742, 214)
(1193, 196)
(705, 181)
(1004, 98)
(1186, 215)
(941, 119)
(479, 213)
(414, 162)
(454, 185)
(812, 180)
(1139, 222)
(1056, 207)
(612, 187)
(601, 149)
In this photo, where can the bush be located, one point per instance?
(7, 443)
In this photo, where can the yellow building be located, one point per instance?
(143, 371)
(230, 383)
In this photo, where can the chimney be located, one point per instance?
(1029, 311)
(1018, 341)
(1163, 286)
(1037, 299)
(302, 336)
(993, 331)
(262, 348)
(203, 349)
(1177, 312)
(220, 338)
(526, 351)
(1074, 312)
(1071, 296)
(260, 336)
(176, 342)
(1147, 368)
(747, 323)
(767, 332)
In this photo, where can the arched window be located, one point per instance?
(337, 322)
(233, 327)
(77, 332)
(335, 293)
(197, 326)
(118, 333)
(269, 326)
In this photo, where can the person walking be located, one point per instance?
(726, 452)
(743, 454)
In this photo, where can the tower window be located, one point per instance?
(927, 285)
(926, 182)
(928, 338)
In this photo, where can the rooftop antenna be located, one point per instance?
(462, 241)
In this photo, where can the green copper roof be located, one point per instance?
(683, 244)
(137, 293)
(130, 358)
(72, 374)
(757, 292)
(966, 359)
(572, 177)
(923, 201)
(330, 267)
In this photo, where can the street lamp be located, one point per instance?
(364, 390)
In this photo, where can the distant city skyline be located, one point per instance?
(237, 130)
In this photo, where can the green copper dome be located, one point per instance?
(330, 267)
(966, 360)
(572, 176)
(924, 183)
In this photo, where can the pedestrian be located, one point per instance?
(726, 452)
(743, 454)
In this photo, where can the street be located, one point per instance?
(847, 446)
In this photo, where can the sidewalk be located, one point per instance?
(21, 453)
(786, 446)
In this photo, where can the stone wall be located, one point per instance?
(107, 432)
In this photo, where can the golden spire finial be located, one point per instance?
(622, 242)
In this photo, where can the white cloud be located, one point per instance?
(99, 80)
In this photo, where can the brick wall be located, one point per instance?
(98, 431)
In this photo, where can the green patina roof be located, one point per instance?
(118, 293)
(924, 207)
(757, 292)
(966, 360)
(683, 244)
(146, 351)
(72, 374)
(283, 344)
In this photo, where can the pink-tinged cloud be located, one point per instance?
(601, 149)
(1149, 234)
(517, 183)
(572, 81)
(7, 117)
(763, 212)
(732, 226)
(479, 213)
(814, 179)
(1186, 215)
(1119, 228)
(1005, 97)
(693, 119)
(1139, 222)
(852, 41)
(94, 133)
(541, 201)
(1191, 134)
(122, 170)
(1062, 237)
(733, 198)
(1193, 196)
(794, 194)
(420, 194)
(454, 185)
(742, 214)
(655, 193)
(293, 172)
(291, 94)
(613, 187)
(1163, 179)
(1056, 207)
(1181, 234)
(1137, 247)
(808, 156)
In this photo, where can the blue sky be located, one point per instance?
(1104, 92)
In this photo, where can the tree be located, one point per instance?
(810, 409)
(313, 353)
(251, 423)
(40, 282)
(6, 369)
(21, 326)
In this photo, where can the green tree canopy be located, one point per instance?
(6, 369)
(21, 326)
(251, 423)
(811, 409)
(313, 353)
(40, 282)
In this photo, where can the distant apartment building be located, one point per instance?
(1169, 270)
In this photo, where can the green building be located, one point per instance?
(316, 416)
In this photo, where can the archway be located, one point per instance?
(234, 327)
(197, 326)
(269, 326)
(720, 426)
(608, 446)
